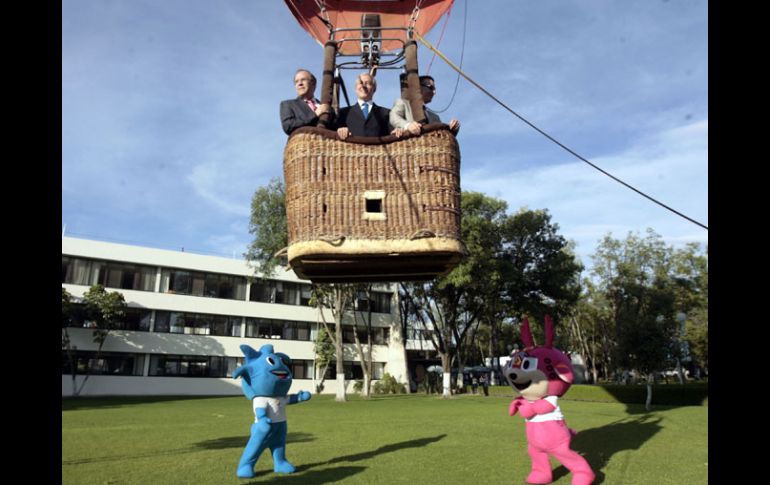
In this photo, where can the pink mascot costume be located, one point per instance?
(541, 375)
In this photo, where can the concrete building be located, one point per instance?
(189, 313)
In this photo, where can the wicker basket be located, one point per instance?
(373, 209)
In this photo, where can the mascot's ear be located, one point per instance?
(249, 352)
(526, 334)
(266, 349)
(564, 372)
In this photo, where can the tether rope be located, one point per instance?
(459, 71)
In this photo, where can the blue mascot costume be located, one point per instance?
(266, 379)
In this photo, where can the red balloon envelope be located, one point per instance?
(347, 14)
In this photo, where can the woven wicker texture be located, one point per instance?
(417, 181)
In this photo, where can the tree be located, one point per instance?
(337, 298)
(697, 335)
(691, 277)
(543, 274)
(364, 353)
(427, 316)
(66, 322)
(637, 278)
(591, 331)
(324, 351)
(269, 226)
(515, 263)
(447, 308)
(103, 311)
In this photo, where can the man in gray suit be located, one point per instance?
(303, 110)
(401, 114)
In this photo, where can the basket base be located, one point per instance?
(374, 268)
(367, 260)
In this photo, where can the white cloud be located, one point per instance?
(671, 166)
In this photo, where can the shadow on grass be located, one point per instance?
(597, 445)
(306, 474)
(382, 449)
(315, 476)
(216, 444)
(664, 396)
(75, 403)
(240, 441)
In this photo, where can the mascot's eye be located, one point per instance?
(286, 362)
(270, 361)
(529, 363)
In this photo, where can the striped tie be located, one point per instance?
(311, 104)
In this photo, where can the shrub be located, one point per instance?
(389, 385)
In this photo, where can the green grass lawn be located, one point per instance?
(410, 439)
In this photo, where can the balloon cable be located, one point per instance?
(460, 71)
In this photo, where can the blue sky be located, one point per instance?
(170, 113)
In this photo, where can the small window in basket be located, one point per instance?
(374, 209)
(373, 205)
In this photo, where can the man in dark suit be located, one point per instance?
(363, 118)
(303, 110)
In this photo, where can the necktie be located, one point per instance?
(311, 104)
(365, 109)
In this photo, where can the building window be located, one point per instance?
(125, 276)
(262, 291)
(378, 368)
(302, 369)
(137, 319)
(264, 328)
(304, 294)
(78, 316)
(76, 271)
(353, 370)
(210, 285)
(108, 363)
(296, 331)
(192, 365)
(380, 335)
(286, 293)
(197, 324)
(379, 302)
(277, 329)
(109, 274)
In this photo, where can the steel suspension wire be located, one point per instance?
(460, 72)
(440, 38)
(462, 56)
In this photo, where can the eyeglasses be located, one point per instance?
(429, 86)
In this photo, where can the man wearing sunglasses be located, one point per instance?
(401, 114)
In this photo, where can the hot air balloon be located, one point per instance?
(371, 208)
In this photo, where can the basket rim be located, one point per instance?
(362, 248)
(367, 140)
